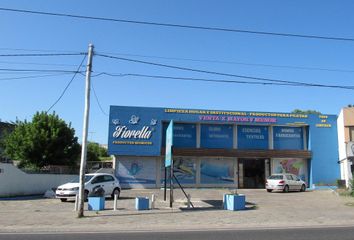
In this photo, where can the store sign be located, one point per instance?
(290, 138)
(124, 132)
(216, 136)
(252, 137)
(133, 133)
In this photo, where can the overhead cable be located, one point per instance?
(33, 76)
(67, 86)
(234, 63)
(38, 70)
(41, 54)
(201, 71)
(36, 63)
(98, 102)
(178, 25)
(37, 50)
(222, 81)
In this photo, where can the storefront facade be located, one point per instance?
(221, 148)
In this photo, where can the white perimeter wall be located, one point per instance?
(14, 182)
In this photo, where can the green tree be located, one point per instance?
(47, 140)
(299, 111)
(95, 152)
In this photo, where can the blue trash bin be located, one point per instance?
(96, 203)
(234, 202)
(142, 203)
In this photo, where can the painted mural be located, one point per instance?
(296, 166)
(137, 171)
(216, 171)
(184, 169)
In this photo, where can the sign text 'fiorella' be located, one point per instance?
(124, 133)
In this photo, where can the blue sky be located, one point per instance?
(21, 98)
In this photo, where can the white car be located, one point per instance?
(108, 182)
(285, 182)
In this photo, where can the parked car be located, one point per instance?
(285, 182)
(108, 182)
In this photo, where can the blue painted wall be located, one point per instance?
(138, 131)
(324, 147)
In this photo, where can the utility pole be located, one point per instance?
(84, 133)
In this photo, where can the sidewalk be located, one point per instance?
(263, 210)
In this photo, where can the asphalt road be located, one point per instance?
(271, 234)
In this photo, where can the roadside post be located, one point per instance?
(153, 199)
(76, 202)
(115, 202)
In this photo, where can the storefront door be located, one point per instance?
(251, 173)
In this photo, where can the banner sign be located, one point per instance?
(216, 136)
(169, 144)
(252, 137)
(289, 138)
(133, 132)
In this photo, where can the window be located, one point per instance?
(351, 133)
(108, 178)
(289, 177)
(276, 177)
(98, 179)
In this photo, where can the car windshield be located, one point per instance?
(77, 179)
(276, 177)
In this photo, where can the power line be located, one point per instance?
(38, 70)
(34, 76)
(98, 102)
(37, 64)
(234, 63)
(41, 54)
(200, 71)
(223, 81)
(37, 50)
(178, 25)
(67, 86)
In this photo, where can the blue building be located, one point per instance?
(222, 148)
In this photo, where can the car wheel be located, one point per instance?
(63, 199)
(286, 188)
(303, 188)
(116, 191)
(269, 190)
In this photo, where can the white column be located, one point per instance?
(234, 137)
(198, 135)
(304, 135)
(270, 137)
